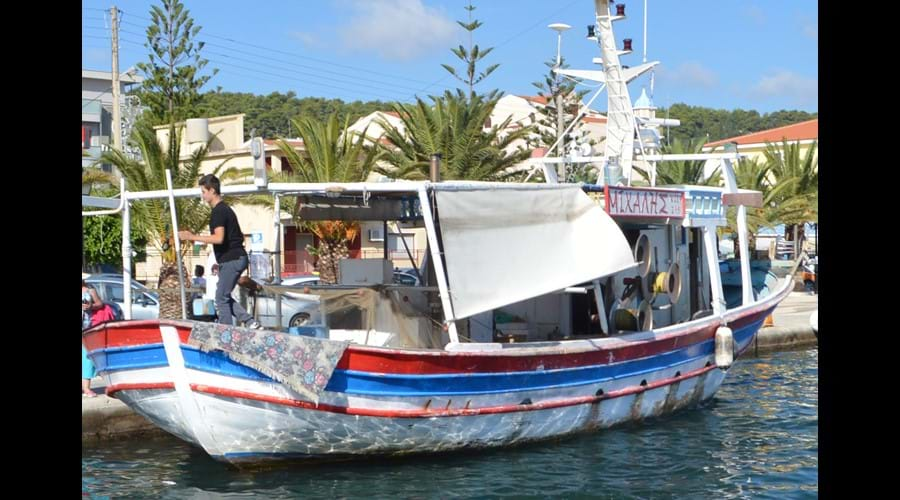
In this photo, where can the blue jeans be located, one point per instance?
(226, 306)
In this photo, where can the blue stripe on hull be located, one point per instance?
(364, 383)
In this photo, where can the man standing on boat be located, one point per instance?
(228, 245)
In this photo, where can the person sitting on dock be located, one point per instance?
(90, 302)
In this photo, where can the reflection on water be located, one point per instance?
(758, 437)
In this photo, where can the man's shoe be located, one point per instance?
(254, 325)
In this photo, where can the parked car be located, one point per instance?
(294, 311)
(144, 301)
(406, 278)
(300, 312)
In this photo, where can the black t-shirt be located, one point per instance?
(232, 247)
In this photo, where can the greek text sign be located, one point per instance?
(642, 202)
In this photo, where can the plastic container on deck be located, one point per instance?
(317, 331)
(204, 307)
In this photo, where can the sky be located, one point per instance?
(723, 54)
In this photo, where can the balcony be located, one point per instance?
(399, 257)
(300, 262)
(91, 110)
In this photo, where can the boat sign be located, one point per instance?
(643, 202)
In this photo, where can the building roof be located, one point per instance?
(127, 77)
(802, 131)
(212, 119)
(534, 98)
(297, 143)
(538, 152)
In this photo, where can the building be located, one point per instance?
(754, 145)
(230, 150)
(96, 110)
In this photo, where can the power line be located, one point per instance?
(302, 80)
(293, 79)
(541, 21)
(300, 72)
(294, 64)
(288, 78)
(501, 44)
(323, 61)
(355, 68)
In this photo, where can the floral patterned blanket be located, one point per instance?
(304, 364)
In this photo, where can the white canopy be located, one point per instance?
(506, 244)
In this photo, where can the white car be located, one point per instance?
(144, 301)
(300, 312)
(294, 311)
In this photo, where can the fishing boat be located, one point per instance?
(541, 310)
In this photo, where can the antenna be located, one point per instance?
(652, 71)
(668, 128)
(645, 31)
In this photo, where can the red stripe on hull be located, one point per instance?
(393, 361)
(423, 413)
(112, 389)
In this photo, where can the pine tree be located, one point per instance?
(471, 56)
(172, 83)
(549, 89)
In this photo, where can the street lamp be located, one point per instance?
(560, 147)
(558, 28)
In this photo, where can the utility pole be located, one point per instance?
(116, 88)
(560, 148)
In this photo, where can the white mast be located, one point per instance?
(619, 146)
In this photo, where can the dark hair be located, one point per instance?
(210, 181)
(198, 270)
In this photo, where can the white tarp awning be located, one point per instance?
(504, 245)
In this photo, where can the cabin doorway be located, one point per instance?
(585, 321)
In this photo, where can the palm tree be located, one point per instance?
(786, 162)
(453, 127)
(679, 172)
(751, 174)
(95, 177)
(332, 154)
(152, 217)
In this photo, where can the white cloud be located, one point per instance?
(757, 15)
(690, 74)
(785, 84)
(397, 29)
